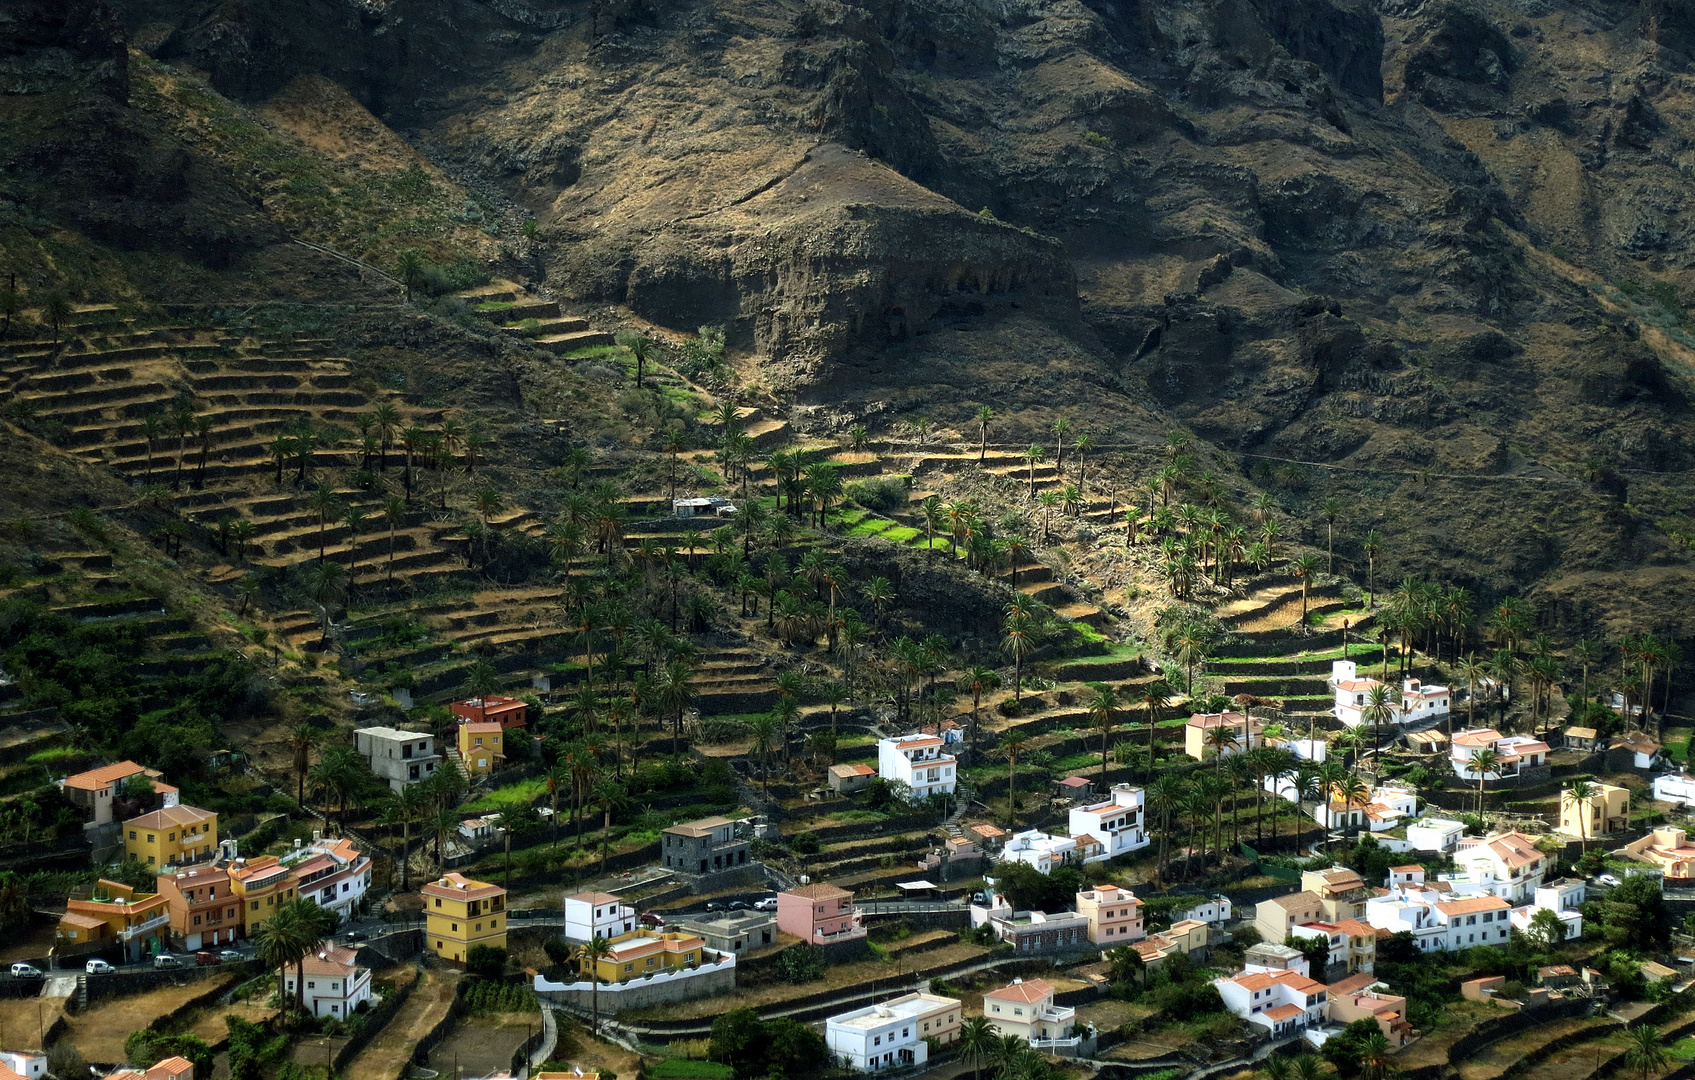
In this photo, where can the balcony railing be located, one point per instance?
(856, 930)
(130, 933)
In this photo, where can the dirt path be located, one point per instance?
(387, 1055)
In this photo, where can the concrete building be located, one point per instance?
(708, 846)
(1215, 911)
(819, 914)
(482, 747)
(644, 953)
(173, 836)
(399, 757)
(1435, 834)
(1676, 788)
(1517, 757)
(1507, 865)
(1475, 906)
(1352, 945)
(1604, 810)
(205, 912)
(892, 1035)
(1633, 750)
(1117, 822)
(1667, 848)
(847, 779)
(1114, 915)
(334, 874)
(28, 1064)
(508, 712)
(1347, 1001)
(1198, 739)
(461, 914)
(335, 983)
(1025, 1009)
(734, 931)
(1276, 918)
(1341, 892)
(1190, 937)
(589, 915)
(97, 790)
(1031, 931)
(1269, 958)
(1284, 1003)
(261, 886)
(116, 920)
(1580, 738)
(1044, 851)
(919, 761)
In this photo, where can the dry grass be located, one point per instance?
(1494, 1060)
(386, 1057)
(99, 1033)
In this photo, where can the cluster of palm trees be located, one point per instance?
(1013, 1058)
(1372, 1058)
(287, 938)
(181, 421)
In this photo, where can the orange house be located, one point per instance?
(505, 711)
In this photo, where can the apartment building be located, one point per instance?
(707, 846)
(205, 912)
(400, 757)
(1200, 743)
(919, 761)
(1284, 1002)
(819, 914)
(508, 712)
(1517, 757)
(589, 915)
(116, 919)
(334, 874)
(1114, 915)
(262, 885)
(1118, 822)
(1604, 810)
(460, 914)
(1025, 1009)
(172, 836)
(893, 1035)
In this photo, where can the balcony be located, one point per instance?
(857, 930)
(130, 933)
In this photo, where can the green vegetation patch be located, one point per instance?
(902, 534)
(523, 793)
(684, 1069)
(871, 527)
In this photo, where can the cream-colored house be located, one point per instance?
(1114, 914)
(1025, 1010)
(1606, 809)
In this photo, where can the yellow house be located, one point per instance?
(480, 747)
(262, 885)
(461, 914)
(1606, 809)
(644, 952)
(116, 917)
(173, 836)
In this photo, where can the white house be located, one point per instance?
(1499, 886)
(334, 874)
(1025, 1010)
(1502, 864)
(1216, 911)
(1435, 834)
(29, 1065)
(589, 915)
(892, 1035)
(1675, 788)
(1415, 702)
(1513, 754)
(1118, 823)
(335, 984)
(1045, 851)
(920, 762)
(1283, 1002)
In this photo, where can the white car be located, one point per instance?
(25, 971)
(98, 967)
(767, 904)
(1608, 879)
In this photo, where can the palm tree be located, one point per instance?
(978, 1039)
(1219, 741)
(1373, 1056)
(55, 310)
(1481, 765)
(1645, 1050)
(203, 432)
(1012, 744)
(394, 513)
(1061, 428)
(408, 802)
(1166, 795)
(978, 680)
(241, 533)
(1019, 642)
(487, 503)
(386, 420)
(1304, 567)
(763, 728)
(984, 415)
(640, 347)
(1034, 456)
(1084, 444)
(354, 518)
(301, 739)
(1156, 696)
(590, 956)
(1330, 509)
(182, 422)
(1578, 796)
(324, 584)
(1380, 708)
(1472, 671)
(152, 430)
(1587, 652)
(1101, 709)
(323, 503)
(281, 942)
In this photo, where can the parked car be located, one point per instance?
(207, 959)
(652, 918)
(769, 903)
(98, 967)
(713, 905)
(231, 956)
(166, 960)
(1608, 879)
(740, 905)
(25, 971)
(354, 937)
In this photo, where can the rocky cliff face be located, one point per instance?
(1438, 246)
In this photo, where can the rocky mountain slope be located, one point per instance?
(1433, 249)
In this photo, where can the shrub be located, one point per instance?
(805, 843)
(486, 960)
(880, 495)
(483, 998)
(801, 963)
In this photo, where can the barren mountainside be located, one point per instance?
(1428, 256)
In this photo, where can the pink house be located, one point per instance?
(819, 914)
